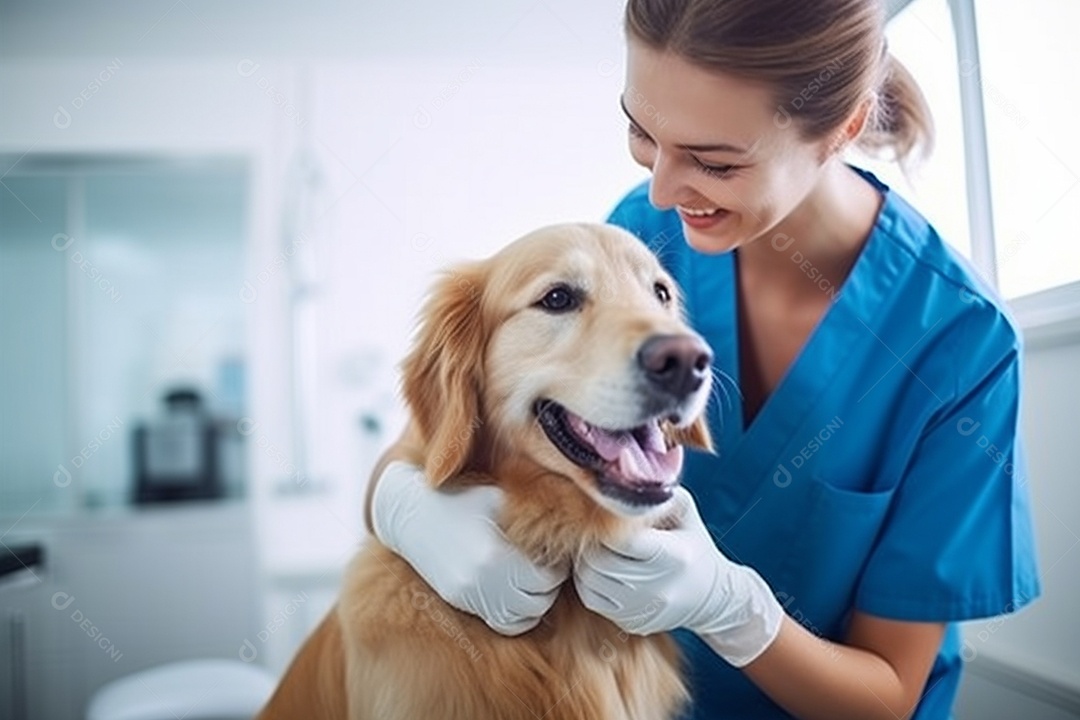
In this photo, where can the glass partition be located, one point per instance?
(120, 283)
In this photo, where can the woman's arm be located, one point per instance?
(879, 673)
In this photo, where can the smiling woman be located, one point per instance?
(811, 278)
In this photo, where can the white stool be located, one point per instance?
(192, 689)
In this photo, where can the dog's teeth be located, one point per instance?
(579, 425)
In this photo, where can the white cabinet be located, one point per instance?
(124, 590)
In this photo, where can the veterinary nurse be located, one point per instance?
(853, 513)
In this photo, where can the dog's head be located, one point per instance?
(569, 347)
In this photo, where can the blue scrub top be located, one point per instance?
(886, 471)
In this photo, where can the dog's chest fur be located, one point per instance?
(431, 661)
(428, 660)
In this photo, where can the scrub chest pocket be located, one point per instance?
(828, 552)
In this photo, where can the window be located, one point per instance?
(921, 37)
(1027, 58)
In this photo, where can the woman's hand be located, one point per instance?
(451, 538)
(658, 580)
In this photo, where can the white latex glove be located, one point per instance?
(659, 580)
(450, 537)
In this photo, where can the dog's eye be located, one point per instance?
(560, 299)
(662, 292)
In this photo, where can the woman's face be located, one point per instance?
(717, 147)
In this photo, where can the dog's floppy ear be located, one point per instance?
(440, 375)
(695, 435)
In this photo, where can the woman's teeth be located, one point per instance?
(697, 212)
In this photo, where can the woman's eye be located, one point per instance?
(637, 133)
(716, 170)
(662, 292)
(560, 299)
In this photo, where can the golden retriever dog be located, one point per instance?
(561, 369)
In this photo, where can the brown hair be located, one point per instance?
(823, 57)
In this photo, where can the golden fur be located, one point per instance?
(391, 648)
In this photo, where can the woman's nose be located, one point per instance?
(665, 186)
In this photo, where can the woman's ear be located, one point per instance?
(848, 133)
(695, 435)
(440, 375)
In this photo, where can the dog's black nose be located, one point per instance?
(676, 364)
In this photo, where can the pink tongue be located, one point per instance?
(632, 460)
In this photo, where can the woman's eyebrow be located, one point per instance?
(622, 104)
(709, 147)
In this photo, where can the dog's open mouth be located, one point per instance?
(635, 466)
